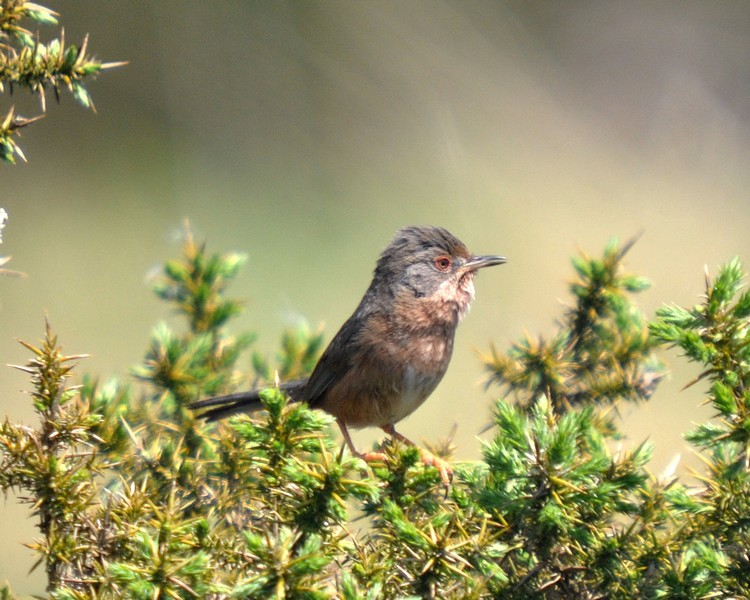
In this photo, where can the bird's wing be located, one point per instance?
(336, 361)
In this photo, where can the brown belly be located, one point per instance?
(382, 390)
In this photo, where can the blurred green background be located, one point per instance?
(306, 133)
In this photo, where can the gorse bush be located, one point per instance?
(135, 498)
(603, 351)
(30, 64)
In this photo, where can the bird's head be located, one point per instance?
(431, 263)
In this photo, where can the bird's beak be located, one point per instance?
(477, 262)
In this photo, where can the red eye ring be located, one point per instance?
(443, 263)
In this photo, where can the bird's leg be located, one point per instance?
(428, 458)
(366, 456)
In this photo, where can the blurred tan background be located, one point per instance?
(306, 133)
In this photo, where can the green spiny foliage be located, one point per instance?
(300, 350)
(28, 63)
(55, 466)
(571, 516)
(135, 498)
(602, 352)
(715, 334)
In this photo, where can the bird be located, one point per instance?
(394, 349)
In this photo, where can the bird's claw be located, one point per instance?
(442, 465)
(428, 458)
(369, 457)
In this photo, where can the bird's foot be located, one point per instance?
(368, 457)
(428, 458)
(442, 465)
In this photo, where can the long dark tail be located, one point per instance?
(221, 407)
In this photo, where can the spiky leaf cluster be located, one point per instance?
(54, 467)
(30, 64)
(715, 334)
(602, 352)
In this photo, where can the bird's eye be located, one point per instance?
(443, 263)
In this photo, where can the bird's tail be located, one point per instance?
(221, 407)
